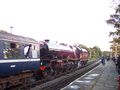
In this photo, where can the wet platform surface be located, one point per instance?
(103, 77)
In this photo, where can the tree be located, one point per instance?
(95, 52)
(114, 20)
(106, 53)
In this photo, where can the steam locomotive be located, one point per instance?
(25, 55)
(61, 57)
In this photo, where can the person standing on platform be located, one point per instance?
(103, 60)
(118, 70)
(114, 60)
(118, 64)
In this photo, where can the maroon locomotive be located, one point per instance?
(59, 57)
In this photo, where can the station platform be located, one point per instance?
(103, 77)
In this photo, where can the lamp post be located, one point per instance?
(11, 28)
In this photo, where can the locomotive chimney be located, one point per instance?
(47, 40)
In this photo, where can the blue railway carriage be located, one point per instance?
(17, 54)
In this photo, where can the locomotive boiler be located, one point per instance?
(61, 57)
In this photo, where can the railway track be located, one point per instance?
(58, 81)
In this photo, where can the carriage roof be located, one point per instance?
(15, 38)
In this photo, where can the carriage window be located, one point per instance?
(11, 50)
(31, 51)
(27, 51)
(6, 50)
(12, 45)
(34, 52)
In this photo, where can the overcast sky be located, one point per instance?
(67, 21)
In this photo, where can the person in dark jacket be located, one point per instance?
(118, 64)
(103, 60)
(108, 58)
(114, 59)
